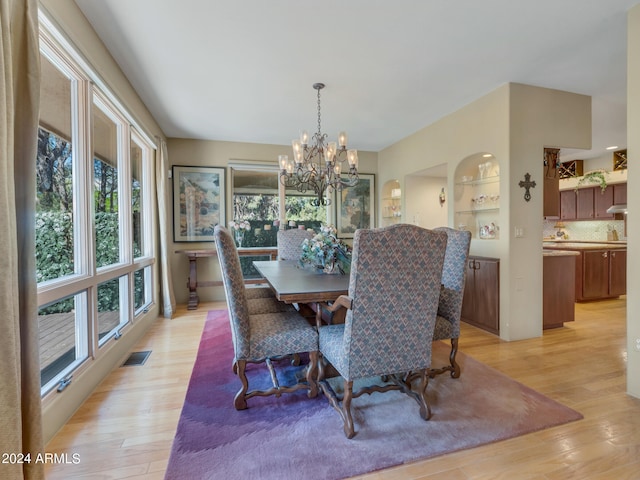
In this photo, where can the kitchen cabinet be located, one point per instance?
(603, 274)
(567, 205)
(600, 272)
(551, 184)
(602, 200)
(558, 288)
(584, 204)
(595, 271)
(619, 194)
(617, 273)
(591, 203)
(481, 300)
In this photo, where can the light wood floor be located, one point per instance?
(125, 429)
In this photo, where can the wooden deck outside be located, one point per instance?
(58, 333)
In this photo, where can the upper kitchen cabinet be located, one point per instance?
(551, 203)
(619, 193)
(568, 205)
(591, 203)
(477, 196)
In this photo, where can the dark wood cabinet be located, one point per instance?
(595, 268)
(481, 301)
(551, 201)
(604, 274)
(620, 194)
(558, 290)
(551, 197)
(591, 203)
(568, 205)
(584, 204)
(599, 273)
(617, 272)
(602, 200)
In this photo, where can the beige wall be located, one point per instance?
(513, 123)
(218, 154)
(422, 199)
(59, 407)
(633, 222)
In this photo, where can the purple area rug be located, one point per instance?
(295, 437)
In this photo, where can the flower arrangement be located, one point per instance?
(239, 228)
(326, 251)
(595, 176)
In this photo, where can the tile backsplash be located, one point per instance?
(586, 230)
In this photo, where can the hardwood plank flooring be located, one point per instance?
(126, 427)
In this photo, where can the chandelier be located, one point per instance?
(317, 166)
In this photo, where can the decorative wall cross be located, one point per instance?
(527, 184)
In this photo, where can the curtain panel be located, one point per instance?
(162, 182)
(20, 406)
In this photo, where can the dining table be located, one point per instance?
(294, 283)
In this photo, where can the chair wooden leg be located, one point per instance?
(312, 374)
(455, 368)
(346, 409)
(240, 401)
(425, 409)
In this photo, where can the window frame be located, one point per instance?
(87, 90)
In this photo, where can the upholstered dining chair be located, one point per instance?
(392, 303)
(290, 243)
(260, 337)
(450, 302)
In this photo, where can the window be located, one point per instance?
(256, 198)
(94, 211)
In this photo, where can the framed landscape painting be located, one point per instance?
(198, 202)
(355, 206)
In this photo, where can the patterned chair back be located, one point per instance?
(290, 243)
(395, 287)
(234, 290)
(453, 275)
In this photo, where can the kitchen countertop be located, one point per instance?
(562, 241)
(585, 245)
(559, 253)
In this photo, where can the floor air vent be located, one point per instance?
(137, 358)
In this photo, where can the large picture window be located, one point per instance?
(256, 194)
(94, 248)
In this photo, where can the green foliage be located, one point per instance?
(54, 255)
(54, 245)
(595, 176)
(107, 239)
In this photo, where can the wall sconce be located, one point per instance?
(442, 197)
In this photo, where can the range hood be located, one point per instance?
(617, 209)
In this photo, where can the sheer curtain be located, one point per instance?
(162, 179)
(20, 409)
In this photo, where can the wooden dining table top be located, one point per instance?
(292, 283)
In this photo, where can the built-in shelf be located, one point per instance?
(391, 203)
(481, 181)
(478, 210)
(477, 200)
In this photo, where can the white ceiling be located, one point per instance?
(242, 70)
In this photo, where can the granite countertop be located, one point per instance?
(562, 241)
(559, 253)
(585, 245)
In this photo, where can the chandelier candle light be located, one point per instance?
(318, 166)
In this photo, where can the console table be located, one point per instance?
(193, 255)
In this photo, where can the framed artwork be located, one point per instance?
(355, 206)
(198, 202)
